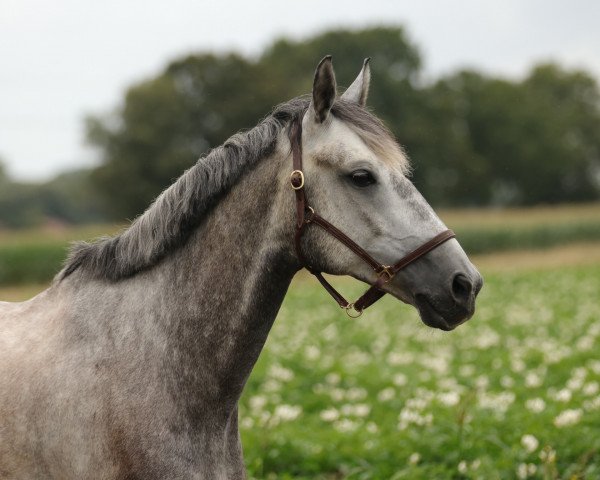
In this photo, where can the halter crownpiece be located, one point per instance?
(306, 215)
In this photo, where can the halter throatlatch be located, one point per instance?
(306, 215)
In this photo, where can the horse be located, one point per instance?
(131, 364)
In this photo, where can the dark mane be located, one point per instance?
(172, 217)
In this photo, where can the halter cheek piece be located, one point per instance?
(306, 215)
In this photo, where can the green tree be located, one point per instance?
(3, 174)
(474, 139)
(69, 198)
(167, 122)
(569, 104)
(492, 141)
(197, 102)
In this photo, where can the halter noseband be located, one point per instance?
(306, 215)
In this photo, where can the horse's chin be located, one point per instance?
(430, 316)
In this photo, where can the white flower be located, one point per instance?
(535, 405)
(518, 365)
(414, 458)
(437, 364)
(449, 398)
(567, 418)
(247, 423)
(507, 382)
(287, 413)
(257, 402)
(499, 402)
(532, 380)
(337, 394)
(329, 415)
(462, 467)
(575, 383)
(417, 403)
(585, 343)
(362, 410)
(482, 382)
(526, 470)
(271, 385)
(530, 443)
(563, 395)
(404, 358)
(372, 427)
(386, 394)
(531, 468)
(345, 425)
(281, 373)
(590, 388)
(593, 404)
(311, 352)
(400, 380)
(595, 366)
(356, 393)
(548, 455)
(408, 416)
(333, 378)
(358, 410)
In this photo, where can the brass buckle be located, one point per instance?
(386, 271)
(299, 172)
(351, 311)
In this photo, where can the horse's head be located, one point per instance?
(356, 178)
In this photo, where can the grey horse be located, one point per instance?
(130, 365)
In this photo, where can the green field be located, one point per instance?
(512, 394)
(34, 256)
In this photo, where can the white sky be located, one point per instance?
(63, 59)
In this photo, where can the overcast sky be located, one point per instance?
(63, 59)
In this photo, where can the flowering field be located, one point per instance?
(514, 393)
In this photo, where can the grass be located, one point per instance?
(514, 393)
(19, 293)
(488, 230)
(521, 217)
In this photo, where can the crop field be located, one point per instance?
(34, 256)
(512, 394)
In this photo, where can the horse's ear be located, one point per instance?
(323, 93)
(359, 90)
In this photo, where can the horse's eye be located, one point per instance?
(362, 178)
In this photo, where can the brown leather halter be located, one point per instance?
(306, 215)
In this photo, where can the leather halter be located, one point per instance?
(306, 215)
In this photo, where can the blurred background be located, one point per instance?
(498, 107)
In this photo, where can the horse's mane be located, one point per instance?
(175, 213)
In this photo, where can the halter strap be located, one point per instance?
(306, 215)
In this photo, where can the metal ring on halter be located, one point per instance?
(307, 219)
(350, 308)
(297, 172)
(386, 271)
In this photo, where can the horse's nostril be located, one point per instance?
(462, 289)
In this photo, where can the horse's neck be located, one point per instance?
(229, 281)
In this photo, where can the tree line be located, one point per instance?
(474, 139)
